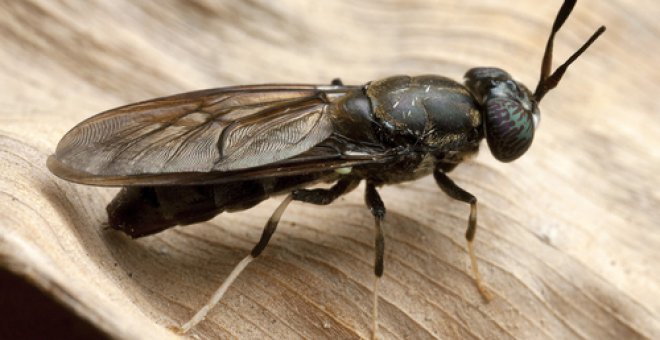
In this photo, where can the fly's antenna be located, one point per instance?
(549, 81)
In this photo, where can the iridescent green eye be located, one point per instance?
(509, 128)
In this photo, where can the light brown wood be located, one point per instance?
(568, 236)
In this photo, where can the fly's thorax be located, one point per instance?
(431, 111)
(353, 118)
(408, 167)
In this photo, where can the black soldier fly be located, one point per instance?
(186, 158)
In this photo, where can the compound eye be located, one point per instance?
(509, 128)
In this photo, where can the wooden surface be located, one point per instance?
(568, 240)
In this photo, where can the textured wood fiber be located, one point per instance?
(568, 239)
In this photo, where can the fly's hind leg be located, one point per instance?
(325, 196)
(455, 192)
(314, 196)
(269, 229)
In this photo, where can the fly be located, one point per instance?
(186, 158)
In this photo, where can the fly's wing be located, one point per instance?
(209, 136)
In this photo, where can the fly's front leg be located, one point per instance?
(456, 192)
(375, 204)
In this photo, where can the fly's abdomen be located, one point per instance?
(144, 210)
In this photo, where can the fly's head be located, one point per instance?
(509, 110)
(510, 113)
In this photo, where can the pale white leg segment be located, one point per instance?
(201, 314)
(473, 257)
(374, 326)
(269, 229)
(477, 277)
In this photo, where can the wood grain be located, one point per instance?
(568, 239)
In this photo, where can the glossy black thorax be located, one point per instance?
(425, 120)
(432, 110)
